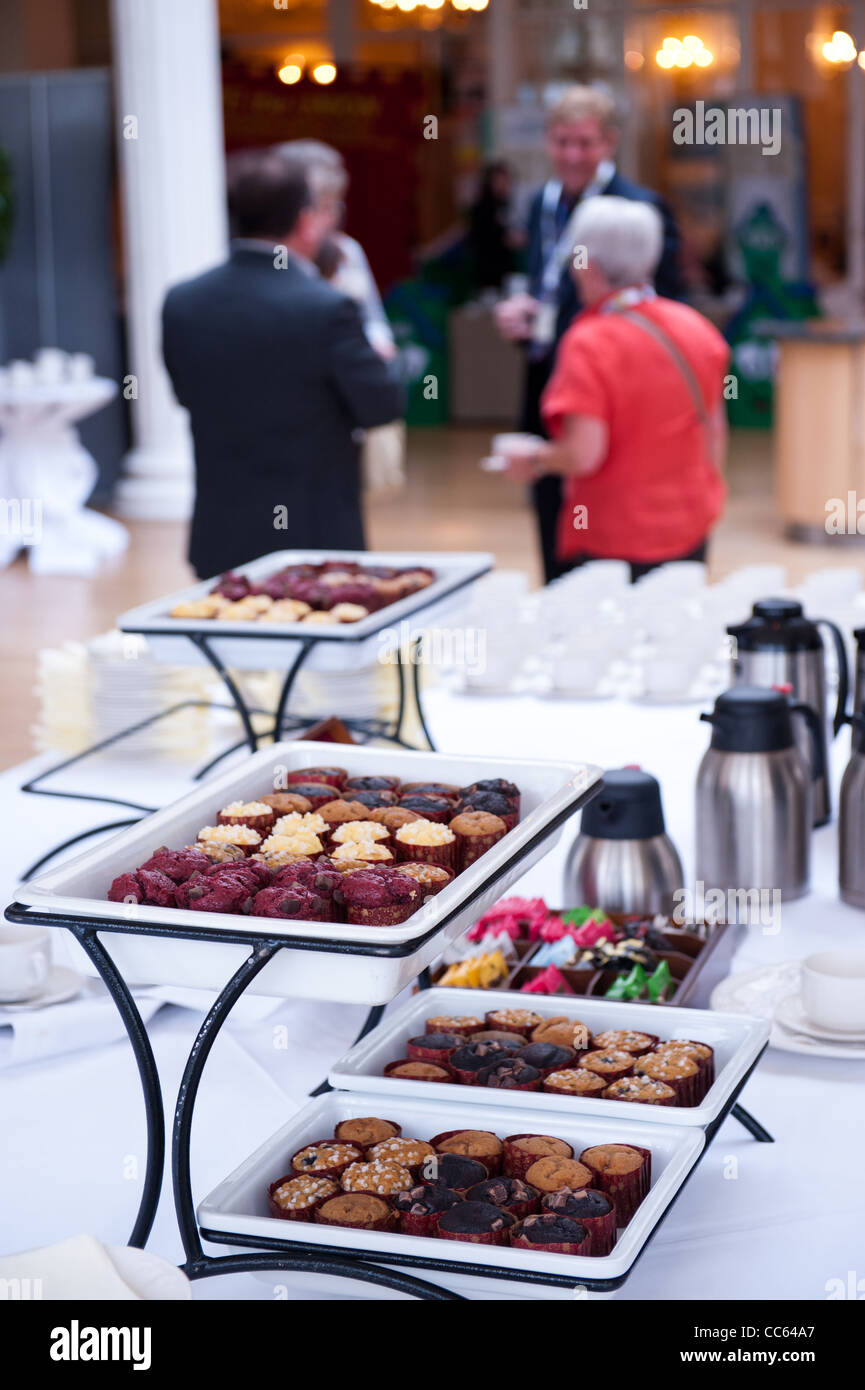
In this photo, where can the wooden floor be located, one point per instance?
(448, 504)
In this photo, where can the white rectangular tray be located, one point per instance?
(238, 1206)
(344, 646)
(551, 791)
(737, 1040)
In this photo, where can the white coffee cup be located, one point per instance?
(833, 990)
(25, 960)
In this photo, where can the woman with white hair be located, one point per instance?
(634, 406)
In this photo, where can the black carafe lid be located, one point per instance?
(628, 807)
(777, 623)
(749, 719)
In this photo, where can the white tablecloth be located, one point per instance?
(780, 1222)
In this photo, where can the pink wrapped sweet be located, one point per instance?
(549, 981)
(591, 933)
(517, 917)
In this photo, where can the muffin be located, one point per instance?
(285, 802)
(362, 852)
(177, 864)
(153, 888)
(208, 607)
(332, 776)
(701, 1053)
(381, 1176)
(358, 1210)
(204, 893)
(676, 1069)
(476, 832)
(479, 1223)
(471, 1143)
(380, 899)
(551, 1173)
(625, 1040)
(574, 1081)
(419, 1208)
(499, 786)
(309, 821)
(297, 1199)
(511, 1194)
(256, 814)
(430, 878)
(642, 1090)
(366, 1131)
(552, 1233)
(612, 1065)
(493, 803)
(445, 789)
(426, 841)
(316, 793)
(340, 812)
(565, 1032)
(242, 836)
(513, 1020)
(291, 902)
(547, 1057)
(469, 1060)
(408, 1070)
(623, 1172)
(510, 1074)
(454, 1172)
(219, 854)
(499, 1035)
(427, 806)
(407, 1152)
(302, 842)
(594, 1210)
(371, 784)
(353, 830)
(278, 860)
(433, 1047)
(391, 817)
(373, 801)
(461, 1024)
(522, 1150)
(326, 1158)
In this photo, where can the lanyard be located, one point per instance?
(556, 250)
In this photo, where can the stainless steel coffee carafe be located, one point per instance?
(622, 859)
(851, 819)
(778, 647)
(754, 797)
(859, 685)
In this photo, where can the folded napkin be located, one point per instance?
(90, 1020)
(75, 1269)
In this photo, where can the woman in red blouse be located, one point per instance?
(634, 406)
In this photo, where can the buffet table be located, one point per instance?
(740, 1227)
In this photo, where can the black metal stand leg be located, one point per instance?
(204, 1040)
(201, 642)
(753, 1126)
(314, 1263)
(291, 676)
(415, 678)
(134, 1025)
(74, 840)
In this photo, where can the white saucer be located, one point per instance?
(759, 992)
(791, 1013)
(62, 984)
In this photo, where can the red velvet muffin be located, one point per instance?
(380, 898)
(210, 893)
(177, 864)
(291, 902)
(148, 886)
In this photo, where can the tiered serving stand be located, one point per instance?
(88, 920)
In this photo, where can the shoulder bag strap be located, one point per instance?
(673, 350)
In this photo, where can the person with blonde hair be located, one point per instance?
(581, 139)
(634, 404)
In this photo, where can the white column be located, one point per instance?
(172, 165)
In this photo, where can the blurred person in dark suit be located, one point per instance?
(278, 377)
(582, 134)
